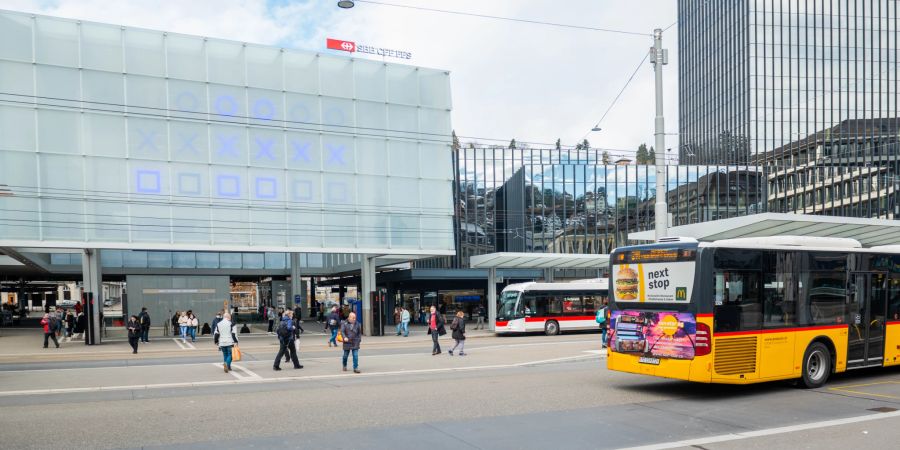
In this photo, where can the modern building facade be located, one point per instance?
(807, 91)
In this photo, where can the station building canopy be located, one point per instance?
(869, 232)
(504, 260)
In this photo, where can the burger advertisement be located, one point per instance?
(653, 282)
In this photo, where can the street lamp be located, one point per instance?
(346, 4)
(596, 129)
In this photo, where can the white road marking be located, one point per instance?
(767, 432)
(239, 372)
(184, 345)
(259, 379)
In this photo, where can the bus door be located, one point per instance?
(868, 311)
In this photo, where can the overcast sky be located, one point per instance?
(509, 80)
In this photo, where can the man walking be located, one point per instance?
(404, 321)
(48, 323)
(270, 315)
(285, 332)
(436, 329)
(397, 319)
(479, 316)
(135, 332)
(332, 323)
(144, 318)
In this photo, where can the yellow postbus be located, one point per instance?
(751, 310)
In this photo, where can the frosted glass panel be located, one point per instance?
(227, 103)
(434, 88)
(15, 36)
(302, 112)
(404, 231)
(106, 222)
(58, 86)
(16, 128)
(18, 170)
(266, 148)
(373, 194)
(303, 151)
(16, 82)
(190, 225)
(403, 86)
(99, 179)
(184, 260)
(151, 224)
(185, 57)
(159, 259)
(59, 131)
(225, 62)
(187, 99)
(435, 194)
(253, 261)
(276, 261)
(229, 226)
(104, 135)
(404, 157)
(371, 80)
(337, 115)
(145, 52)
(404, 194)
(371, 118)
(101, 47)
(434, 123)
(336, 75)
(301, 72)
(56, 42)
(435, 161)
(105, 90)
(228, 144)
(267, 229)
(264, 67)
(230, 260)
(266, 107)
(338, 154)
(188, 141)
(370, 156)
(62, 173)
(148, 138)
(146, 95)
(403, 121)
(207, 260)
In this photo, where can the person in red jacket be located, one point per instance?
(49, 332)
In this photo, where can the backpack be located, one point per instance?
(283, 331)
(601, 315)
(53, 323)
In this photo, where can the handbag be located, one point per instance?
(340, 337)
(235, 353)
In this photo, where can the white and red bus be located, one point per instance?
(550, 307)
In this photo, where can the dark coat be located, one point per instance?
(144, 319)
(352, 335)
(459, 329)
(439, 322)
(335, 317)
(81, 323)
(134, 329)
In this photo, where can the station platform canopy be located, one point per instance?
(505, 260)
(869, 232)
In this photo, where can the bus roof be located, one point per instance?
(812, 243)
(601, 284)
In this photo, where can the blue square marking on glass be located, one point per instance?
(228, 186)
(302, 190)
(337, 192)
(189, 183)
(266, 187)
(148, 182)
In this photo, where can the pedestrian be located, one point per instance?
(352, 336)
(436, 329)
(298, 330)
(332, 324)
(479, 317)
(70, 325)
(458, 326)
(77, 308)
(144, 319)
(601, 320)
(80, 325)
(48, 323)
(175, 326)
(193, 324)
(58, 323)
(270, 315)
(397, 318)
(216, 321)
(225, 337)
(183, 322)
(404, 321)
(166, 324)
(135, 332)
(285, 332)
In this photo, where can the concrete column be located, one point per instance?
(367, 286)
(92, 280)
(492, 298)
(298, 287)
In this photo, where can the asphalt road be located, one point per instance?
(517, 392)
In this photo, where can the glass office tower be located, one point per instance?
(807, 90)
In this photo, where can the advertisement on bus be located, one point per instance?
(653, 334)
(653, 282)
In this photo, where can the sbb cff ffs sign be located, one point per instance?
(351, 47)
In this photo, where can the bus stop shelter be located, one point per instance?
(505, 260)
(869, 232)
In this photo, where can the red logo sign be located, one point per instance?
(337, 44)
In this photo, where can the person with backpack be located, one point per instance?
(601, 320)
(285, 332)
(404, 321)
(332, 323)
(459, 333)
(135, 332)
(48, 323)
(435, 329)
(144, 319)
(351, 334)
(225, 337)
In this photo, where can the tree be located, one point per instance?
(558, 144)
(651, 156)
(512, 144)
(641, 156)
(605, 158)
(585, 145)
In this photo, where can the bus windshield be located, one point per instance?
(507, 309)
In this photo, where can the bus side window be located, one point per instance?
(894, 298)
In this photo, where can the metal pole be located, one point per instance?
(660, 57)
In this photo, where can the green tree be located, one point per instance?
(585, 145)
(512, 144)
(605, 158)
(651, 156)
(641, 156)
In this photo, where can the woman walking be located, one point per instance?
(183, 322)
(352, 336)
(70, 325)
(333, 322)
(193, 323)
(459, 333)
(48, 324)
(436, 329)
(226, 338)
(134, 332)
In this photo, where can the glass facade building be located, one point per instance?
(807, 91)
(115, 137)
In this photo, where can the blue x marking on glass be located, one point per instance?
(301, 151)
(265, 148)
(336, 154)
(228, 145)
(148, 139)
(187, 142)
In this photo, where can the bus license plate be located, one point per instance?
(648, 360)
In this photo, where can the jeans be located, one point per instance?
(334, 332)
(405, 327)
(479, 323)
(436, 348)
(271, 325)
(399, 327)
(462, 346)
(226, 355)
(145, 334)
(603, 336)
(355, 358)
(193, 331)
(134, 343)
(184, 332)
(50, 335)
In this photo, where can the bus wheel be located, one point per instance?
(551, 328)
(816, 366)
